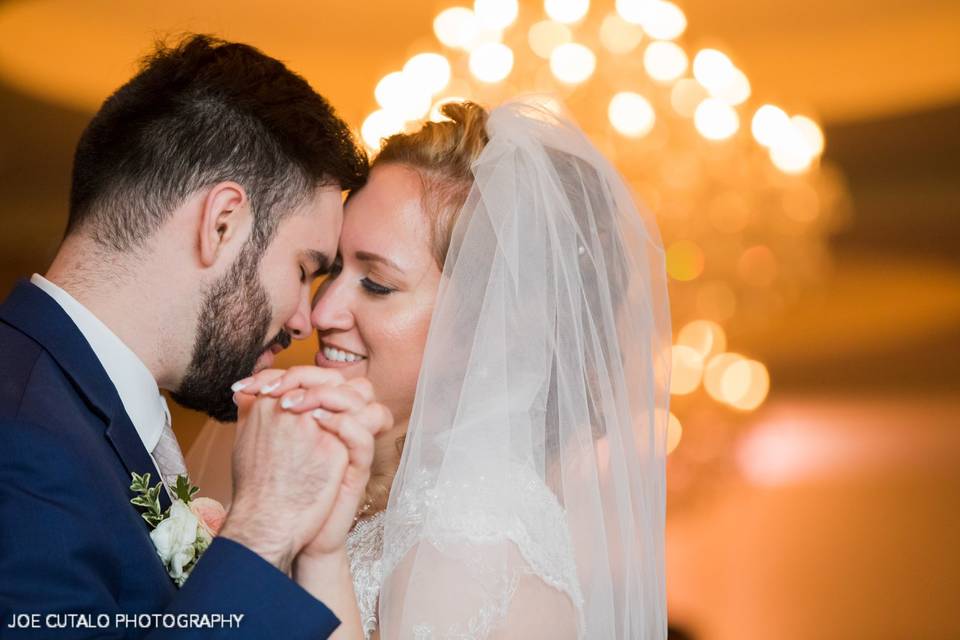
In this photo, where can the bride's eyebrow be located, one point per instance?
(365, 256)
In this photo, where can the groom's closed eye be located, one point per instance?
(317, 264)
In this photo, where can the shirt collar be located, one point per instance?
(135, 385)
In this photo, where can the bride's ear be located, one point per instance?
(224, 222)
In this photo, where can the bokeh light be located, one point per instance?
(706, 337)
(737, 89)
(769, 124)
(618, 35)
(713, 70)
(491, 62)
(811, 133)
(664, 61)
(746, 384)
(395, 94)
(674, 433)
(715, 119)
(685, 260)
(456, 27)
(713, 374)
(686, 370)
(633, 11)
(791, 152)
(427, 73)
(664, 20)
(378, 125)
(572, 63)
(631, 114)
(547, 35)
(496, 14)
(567, 11)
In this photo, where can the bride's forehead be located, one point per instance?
(390, 205)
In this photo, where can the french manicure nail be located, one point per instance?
(270, 387)
(321, 414)
(291, 401)
(238, 386)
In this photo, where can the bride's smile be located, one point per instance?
(333, 357)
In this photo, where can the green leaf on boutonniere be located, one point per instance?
(147, 497)
(184, 490)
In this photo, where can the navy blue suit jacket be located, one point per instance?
(70, 541)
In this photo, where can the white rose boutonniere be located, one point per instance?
(184, 531)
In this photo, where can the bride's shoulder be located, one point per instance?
(513, 504)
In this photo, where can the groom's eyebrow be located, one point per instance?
(320, 260)
(365, 256)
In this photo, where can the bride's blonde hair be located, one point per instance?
(441, 153)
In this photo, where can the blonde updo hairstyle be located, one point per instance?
(441, 154)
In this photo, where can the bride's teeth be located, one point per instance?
(337, 355)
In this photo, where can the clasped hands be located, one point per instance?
(301, 461)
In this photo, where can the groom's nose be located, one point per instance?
(299, 323)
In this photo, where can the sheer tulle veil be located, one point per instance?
(536, 447)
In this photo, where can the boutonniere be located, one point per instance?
(184, 531)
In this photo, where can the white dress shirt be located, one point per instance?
(136, 386)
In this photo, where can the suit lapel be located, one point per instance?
(34, 313)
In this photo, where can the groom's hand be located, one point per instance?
(287, 473)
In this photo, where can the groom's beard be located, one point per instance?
(231, 335)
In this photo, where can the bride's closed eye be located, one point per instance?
(375, 288)
(370, 286)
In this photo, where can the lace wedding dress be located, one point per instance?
(533, 521)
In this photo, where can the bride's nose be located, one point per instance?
(331, 310)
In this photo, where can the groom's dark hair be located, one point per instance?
(203, 111)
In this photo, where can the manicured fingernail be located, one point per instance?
(289, 402)
(235, 399)
(321, 414)
(242, 384)
(270, 387)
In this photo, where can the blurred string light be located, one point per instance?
(566, 11)
(740, 197)
(491, 62)
(618, 35)
(665, 61)
(546, 35)
(572, 63)
(631, 114)
(496, 14)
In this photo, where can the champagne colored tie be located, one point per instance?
(168, 456)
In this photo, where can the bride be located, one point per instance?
(507, 301)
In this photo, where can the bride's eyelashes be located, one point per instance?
(370, 286)
(374, 288)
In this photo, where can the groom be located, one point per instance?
(206, 198)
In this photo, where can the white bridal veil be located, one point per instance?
(531, 490)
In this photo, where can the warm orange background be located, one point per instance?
(838, 513)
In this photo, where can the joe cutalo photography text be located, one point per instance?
(123, 621)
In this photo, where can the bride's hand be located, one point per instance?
(344, 408)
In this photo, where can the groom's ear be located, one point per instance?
(224, 221)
